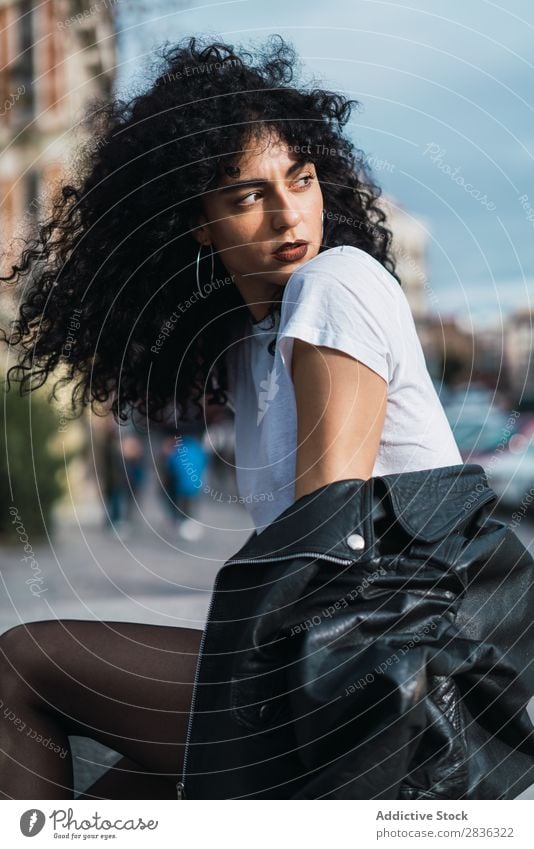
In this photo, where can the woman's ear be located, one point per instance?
(200, 231)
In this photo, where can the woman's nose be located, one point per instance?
(284, 216)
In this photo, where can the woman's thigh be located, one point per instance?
(126, 685)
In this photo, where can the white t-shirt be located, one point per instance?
(345, 299)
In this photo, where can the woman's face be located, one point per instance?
(272, 197)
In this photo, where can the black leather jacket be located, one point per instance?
(374, 642)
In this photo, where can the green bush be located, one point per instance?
(29, 468)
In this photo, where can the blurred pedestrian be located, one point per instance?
(187, 461)
(133, 457)
(112, 474)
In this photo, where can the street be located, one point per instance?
(148, 575)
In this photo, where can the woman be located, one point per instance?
(203, 196)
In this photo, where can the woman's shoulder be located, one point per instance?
(345, 299)
(344, 277)
(349, 265)
(334, 254)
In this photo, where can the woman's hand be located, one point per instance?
(341, 407)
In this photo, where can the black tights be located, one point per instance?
(127, 686)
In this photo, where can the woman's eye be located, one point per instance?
(308, 177)
(243, 201)
(249, 200)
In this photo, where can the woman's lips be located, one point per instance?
(291, 254)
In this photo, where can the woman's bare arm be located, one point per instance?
(341, 406)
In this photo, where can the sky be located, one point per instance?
(447, 114)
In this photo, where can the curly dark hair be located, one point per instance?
(117, 246)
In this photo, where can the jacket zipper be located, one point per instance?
(180, 785)
(342, 560)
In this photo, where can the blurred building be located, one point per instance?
(491, 361)
(449, 349)
(410, 236)
(494, 357)
(54, 59)
(519, 339)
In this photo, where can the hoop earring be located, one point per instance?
(212, 269)
(322, 225)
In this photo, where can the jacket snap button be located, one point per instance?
(356, 542)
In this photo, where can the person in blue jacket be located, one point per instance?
(186, 463)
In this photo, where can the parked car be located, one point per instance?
(479, 427)
(511, 474)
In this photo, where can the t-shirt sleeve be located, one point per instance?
(351, 308)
